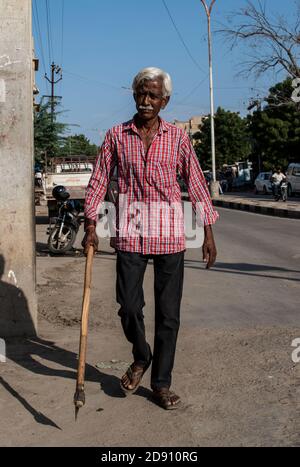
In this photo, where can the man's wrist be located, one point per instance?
(89, 225)
(208, 230)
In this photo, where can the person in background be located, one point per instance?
(277, 178)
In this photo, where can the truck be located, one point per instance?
(243, 174)
(238, 175)
(73, 172)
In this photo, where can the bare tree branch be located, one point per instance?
(276, 43)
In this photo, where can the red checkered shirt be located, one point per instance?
(148, 187)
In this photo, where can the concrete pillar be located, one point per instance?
(18, 308)
(214, 189)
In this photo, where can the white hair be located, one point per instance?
(153, 73)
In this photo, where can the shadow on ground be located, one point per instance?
(246, 269)
(32, 353)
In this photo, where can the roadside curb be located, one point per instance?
(254, 208)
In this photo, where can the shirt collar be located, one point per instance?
(163, 126)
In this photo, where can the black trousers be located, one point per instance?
(168, 283)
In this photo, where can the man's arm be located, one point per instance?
(192, 174)
(96, 190)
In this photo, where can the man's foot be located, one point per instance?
(132, 379)
(166, 399)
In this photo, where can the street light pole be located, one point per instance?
(214, 185)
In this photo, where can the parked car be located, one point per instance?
(293, 178)
(263, 183)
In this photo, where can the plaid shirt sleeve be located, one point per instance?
(100, 177)
(190, 170)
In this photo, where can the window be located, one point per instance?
(296, 171)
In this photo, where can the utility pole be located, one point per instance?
(214, 185)
(18, 304)
(258, 104)
(55, 69)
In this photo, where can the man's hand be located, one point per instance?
(209, 248)
(90, 238)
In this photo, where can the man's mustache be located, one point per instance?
(145, 107)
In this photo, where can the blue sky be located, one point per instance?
(102, 44)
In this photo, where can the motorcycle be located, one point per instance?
(280, 191)
(63, 233)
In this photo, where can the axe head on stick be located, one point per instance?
(79, 400)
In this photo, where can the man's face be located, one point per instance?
(149, 99)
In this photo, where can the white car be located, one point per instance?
(293, 178)
(263, 183)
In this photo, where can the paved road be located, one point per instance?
(256, 280)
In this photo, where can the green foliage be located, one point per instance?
(270, 137)
(275, 128)
(47, 132)
(49, 137)
(77, 145)
(231, 136)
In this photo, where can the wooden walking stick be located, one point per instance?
(79, 396)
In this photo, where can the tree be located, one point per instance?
(48, 132)
(77, 145)
(232, 139)
(275, 128)
(274, 43)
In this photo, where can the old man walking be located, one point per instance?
(147, 153)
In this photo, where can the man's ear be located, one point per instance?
(134, 96)
(165, 102)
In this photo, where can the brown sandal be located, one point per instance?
(166, 399)
(134, 374)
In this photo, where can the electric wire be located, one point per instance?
(62, 41)
(50, 48)
(193, 90)
(38, 30)
(91, 80)
(37, 27)
(181, 38)
(62, 31)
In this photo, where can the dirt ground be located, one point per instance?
(239, 387)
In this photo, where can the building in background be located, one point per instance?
(191, 126)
